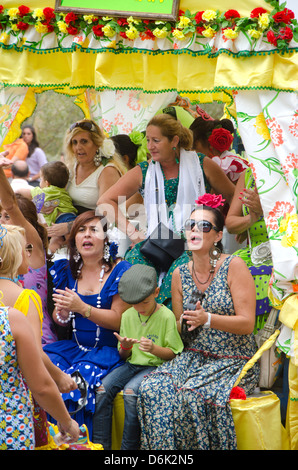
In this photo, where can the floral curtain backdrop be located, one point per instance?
(123, 111)
(268, 125)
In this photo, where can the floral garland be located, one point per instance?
(279, 26)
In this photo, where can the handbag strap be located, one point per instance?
(269, 326)
(267, 345)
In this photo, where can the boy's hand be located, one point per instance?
(125, 342)
(146, 345)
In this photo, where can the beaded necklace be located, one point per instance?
(72, 314)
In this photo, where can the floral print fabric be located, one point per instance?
(184, 404)
(16, 420)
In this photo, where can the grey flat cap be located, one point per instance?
(137, 283)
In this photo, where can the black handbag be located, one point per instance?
(163, 245)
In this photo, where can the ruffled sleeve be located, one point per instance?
(61, 274)
(116, 275)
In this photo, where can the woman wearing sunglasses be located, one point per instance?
(184, 404)
(15, 255)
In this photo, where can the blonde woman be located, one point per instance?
(94, 167)
(14, 261)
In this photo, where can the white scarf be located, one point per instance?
(190, 187)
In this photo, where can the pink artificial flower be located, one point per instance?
(211, 200)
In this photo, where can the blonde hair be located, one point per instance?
(11, 251)
(97, 136)
(170, 127)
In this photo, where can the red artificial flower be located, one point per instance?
(1, 9)
(181, 13)
(49, 26)
(70, 17)
(22, 26)
(285, 34)
(149, 34)
(23, 10)
(256, 12)
(220, 139)
(198, 17)
(48, 13)
(271, 38)
(123, 34)
(97, 30)
(72, 30)
(122, 21)
(230, 14)
(237, 393)
(200, 30)
(284, 16)
(211, 200)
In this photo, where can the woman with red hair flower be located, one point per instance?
(185, 403)
(214, 138)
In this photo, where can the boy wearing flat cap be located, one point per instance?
(148, 336)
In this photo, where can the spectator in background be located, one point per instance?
(36, 157)
(17, 150)
(20, 173)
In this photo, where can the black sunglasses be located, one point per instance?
(85, 125)
(203, 225)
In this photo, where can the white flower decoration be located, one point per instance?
(261, 254)
(107, 149)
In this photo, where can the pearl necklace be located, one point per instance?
(98, 305)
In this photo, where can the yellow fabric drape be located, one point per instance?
(151, 73)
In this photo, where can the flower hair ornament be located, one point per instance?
(140, 140)
(211, 200)
(104, 153)
(220, 139)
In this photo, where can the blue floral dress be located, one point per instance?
(94, 363)
(184, 404)
(16, 417)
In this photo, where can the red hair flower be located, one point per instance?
(237, 393)
(220, 139)
(284, 16)
(256, 12)
(23, 10)
(211, 200)
(230, 14)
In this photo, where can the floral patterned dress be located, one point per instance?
(16, 418)
(184, 404)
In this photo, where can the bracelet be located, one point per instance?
(208, 322)
(125, 349)
(88, 312)
(61, 320)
